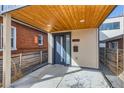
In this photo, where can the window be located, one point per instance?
(13, 37)
(110, 26)
(40, 40)
(113, 45)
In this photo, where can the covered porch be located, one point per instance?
(81, 21)
(59, 76)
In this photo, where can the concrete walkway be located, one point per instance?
(58, 76)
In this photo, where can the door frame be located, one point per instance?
(53, 50)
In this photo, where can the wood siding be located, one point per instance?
(63, 17)
(113, 59)
(24, 63)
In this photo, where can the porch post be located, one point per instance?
(50, 47)
(6, 50)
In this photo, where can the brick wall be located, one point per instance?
(26, 39)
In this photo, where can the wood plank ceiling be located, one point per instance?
(63, 17)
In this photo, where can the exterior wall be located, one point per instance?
(105, 34)
(50, 48)
(26, 39)
(120, 43)
(88, 48)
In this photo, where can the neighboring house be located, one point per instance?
(110, 28)
(115, 42)
(25, 38)
(29, 48)
(111, 44)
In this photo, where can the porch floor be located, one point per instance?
(59, 76)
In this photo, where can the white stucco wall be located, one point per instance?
(88, 48)
(50, 47)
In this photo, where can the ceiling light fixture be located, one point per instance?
(82, 20)
(49, 25)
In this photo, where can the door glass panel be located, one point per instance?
(62, 49)
(57, 50)
(68, 50)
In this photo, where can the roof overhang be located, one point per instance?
(113, 38)
(53, 18)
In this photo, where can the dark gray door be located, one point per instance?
(62, 49)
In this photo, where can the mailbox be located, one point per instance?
(75, 48)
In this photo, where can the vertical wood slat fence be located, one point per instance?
(24, 63)
(113, 59)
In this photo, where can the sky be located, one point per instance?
(118, 11)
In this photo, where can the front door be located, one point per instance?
(62, 49)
